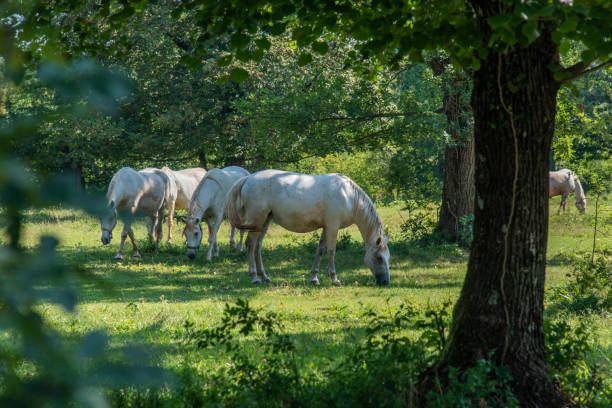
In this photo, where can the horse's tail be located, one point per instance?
(233, 204)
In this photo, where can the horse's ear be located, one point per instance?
(111, 204)
(387, 238)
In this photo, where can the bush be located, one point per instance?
(589, 288)
(567, 350)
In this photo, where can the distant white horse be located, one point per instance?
(182, 187)
(135, 193)
(304, 203)
(563, 182)
(208, 204)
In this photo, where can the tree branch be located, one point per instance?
(578, 70)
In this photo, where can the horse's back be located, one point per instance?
(300, 202)
(560, 182)
(156, 188)
(235, 172)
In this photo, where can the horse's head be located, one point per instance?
(193, 235)
(377, 259)
(108, 221)
(581, 205)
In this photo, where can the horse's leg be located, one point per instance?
(210, 225)
(130, 232)
(317, 260)
(251, 244)
(232, 241)
(215, 229)
(240, 244)
(330, 237)
(124, 234)
(170, 219)
(159, 227)
(258, 261)
(150, 226)
(562, 205)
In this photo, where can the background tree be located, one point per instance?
(512, 51)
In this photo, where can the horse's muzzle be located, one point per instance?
(191, 255)
(382, 281)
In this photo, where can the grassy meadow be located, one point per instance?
(148, 300)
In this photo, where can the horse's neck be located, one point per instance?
(368, 222)
(207, 198)
(579, 191)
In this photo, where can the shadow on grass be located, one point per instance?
(169, 275)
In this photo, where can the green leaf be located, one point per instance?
(499, 20)
(569, 24)
(530, 30)
(304, 59)
(239, 40)
(222, 80)
(262, 43)
(244, 55)
(564, 47)
(257, 55)
(238, 75)
(320, 47)
(225, 61)
(588, 55)
(189, 60)
(278, 29)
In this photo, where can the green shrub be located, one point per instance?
(567, 350)
(589, 288)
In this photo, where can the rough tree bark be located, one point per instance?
(458, 187)
(501, 303)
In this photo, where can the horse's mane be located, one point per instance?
(579, 191)
(210, 175)
(363, 202)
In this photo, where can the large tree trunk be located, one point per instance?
(458, 188)
(501, 304)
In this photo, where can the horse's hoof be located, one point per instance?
(336, 282)
(256, 281)
(266, 279)
(118, 258)
(315, 281)
(136, 255)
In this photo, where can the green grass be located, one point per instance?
(148, 300)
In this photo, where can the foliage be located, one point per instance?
(482, 385)
(466, 231)
(41, 366)
(418, 225)
(567, 350)
(589, 288)
(268, 378)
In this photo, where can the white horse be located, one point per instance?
(183, 185)
(135, 193)
(208, 204)
(563, 182)
(304, 203)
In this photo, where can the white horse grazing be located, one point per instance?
(208, 204)
(304, 203)
(135, 193)
(182, 187)
(563, 182)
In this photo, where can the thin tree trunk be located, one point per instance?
(202, 159)
(458, 188)
(500, 308)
